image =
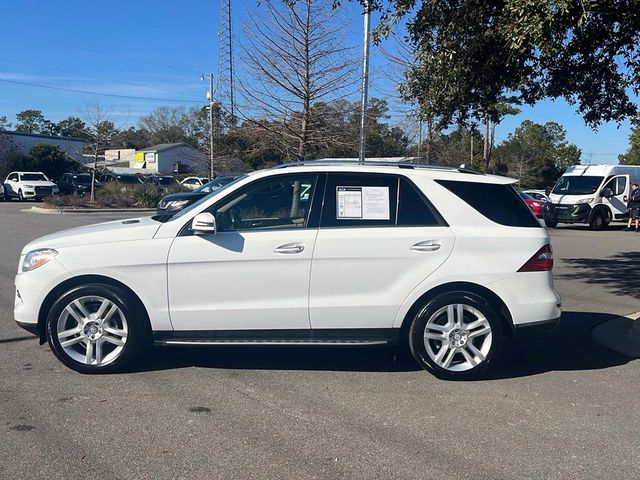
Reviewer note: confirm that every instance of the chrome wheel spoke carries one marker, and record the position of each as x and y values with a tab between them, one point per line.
478	355
78	318
115	341
103	308
98	349
73	341
437	327
435	336
67	333
112	310
485	330
441	353
477	323
451	316
459	314
89	353
81	308
468	357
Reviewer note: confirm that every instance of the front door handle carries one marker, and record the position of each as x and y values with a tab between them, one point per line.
426	246
289	248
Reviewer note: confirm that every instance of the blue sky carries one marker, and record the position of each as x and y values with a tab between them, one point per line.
156	49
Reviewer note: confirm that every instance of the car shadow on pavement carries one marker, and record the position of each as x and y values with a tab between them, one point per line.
618	273
569	347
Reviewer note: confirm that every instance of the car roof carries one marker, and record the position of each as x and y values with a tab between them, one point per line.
435	172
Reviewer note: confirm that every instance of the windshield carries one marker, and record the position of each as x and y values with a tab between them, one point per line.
128	179
33	177
204	199
214	185
84	179
577	185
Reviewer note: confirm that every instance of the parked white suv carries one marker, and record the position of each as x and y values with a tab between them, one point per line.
441	260
26	185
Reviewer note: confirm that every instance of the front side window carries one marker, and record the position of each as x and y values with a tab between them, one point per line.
275	203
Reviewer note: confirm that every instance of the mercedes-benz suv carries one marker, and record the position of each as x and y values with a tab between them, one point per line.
442	261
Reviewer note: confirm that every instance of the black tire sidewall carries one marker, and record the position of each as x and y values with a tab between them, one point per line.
551	223
416	333
136	323
598	221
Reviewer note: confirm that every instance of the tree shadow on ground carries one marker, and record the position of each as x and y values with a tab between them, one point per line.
569	347
620	273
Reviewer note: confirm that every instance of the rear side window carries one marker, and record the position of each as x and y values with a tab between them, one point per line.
499	203
413	210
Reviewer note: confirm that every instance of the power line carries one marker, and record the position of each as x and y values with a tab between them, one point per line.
100	94
87	75
101	52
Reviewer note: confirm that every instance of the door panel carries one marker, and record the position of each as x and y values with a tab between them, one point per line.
620	186
237	280
361	276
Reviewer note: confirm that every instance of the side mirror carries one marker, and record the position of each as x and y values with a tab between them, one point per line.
606	192
547	191
204	224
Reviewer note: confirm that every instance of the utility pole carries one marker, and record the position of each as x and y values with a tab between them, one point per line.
419	139
211	127
365	83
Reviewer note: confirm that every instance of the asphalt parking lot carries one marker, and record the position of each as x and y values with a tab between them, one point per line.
555	407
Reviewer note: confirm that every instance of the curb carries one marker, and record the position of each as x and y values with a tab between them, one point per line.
620	334
54	211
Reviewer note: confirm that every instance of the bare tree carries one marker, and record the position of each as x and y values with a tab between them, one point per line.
296	56
100	131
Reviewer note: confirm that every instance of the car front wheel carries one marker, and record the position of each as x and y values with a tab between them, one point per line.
455	335
96	329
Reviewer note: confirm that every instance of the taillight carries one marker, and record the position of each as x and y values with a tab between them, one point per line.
542	261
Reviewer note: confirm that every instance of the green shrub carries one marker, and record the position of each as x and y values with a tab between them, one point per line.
113	195
147	197
66	201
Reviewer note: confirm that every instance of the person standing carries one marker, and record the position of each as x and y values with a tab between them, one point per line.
633	204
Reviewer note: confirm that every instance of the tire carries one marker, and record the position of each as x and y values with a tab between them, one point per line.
551	223
598	221
475	348
20	197
83	342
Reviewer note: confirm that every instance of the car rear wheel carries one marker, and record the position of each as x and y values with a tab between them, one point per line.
96	329
551	223
455	335
598	222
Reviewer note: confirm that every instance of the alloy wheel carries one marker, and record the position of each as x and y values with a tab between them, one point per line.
458	337
92	330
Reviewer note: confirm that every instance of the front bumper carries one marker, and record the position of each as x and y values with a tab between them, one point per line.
565	213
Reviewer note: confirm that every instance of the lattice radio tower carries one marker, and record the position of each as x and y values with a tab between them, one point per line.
225	85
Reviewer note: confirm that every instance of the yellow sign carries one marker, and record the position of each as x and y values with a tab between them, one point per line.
139	156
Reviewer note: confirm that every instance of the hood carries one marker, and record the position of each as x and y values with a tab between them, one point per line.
183	196
38	183
118	231
569	199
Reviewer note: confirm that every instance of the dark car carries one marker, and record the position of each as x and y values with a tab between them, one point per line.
125	180
76	183
161	182
173	203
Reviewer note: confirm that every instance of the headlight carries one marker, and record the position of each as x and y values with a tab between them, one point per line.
37	258
177	203
584	200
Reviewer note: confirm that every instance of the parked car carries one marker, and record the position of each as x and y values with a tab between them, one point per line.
29	185
194	182
161	182
536	206
125	180
442	260
537	194
76	183
174	202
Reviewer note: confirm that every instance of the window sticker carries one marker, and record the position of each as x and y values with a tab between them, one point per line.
363	203
349	202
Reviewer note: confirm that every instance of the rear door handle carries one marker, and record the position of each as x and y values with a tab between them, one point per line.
290	248
426	246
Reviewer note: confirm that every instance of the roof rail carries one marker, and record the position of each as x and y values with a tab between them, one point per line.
408	165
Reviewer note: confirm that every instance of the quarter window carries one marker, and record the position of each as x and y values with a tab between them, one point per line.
413	210
275	203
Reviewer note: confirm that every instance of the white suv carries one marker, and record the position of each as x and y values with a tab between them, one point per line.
26	185
441	260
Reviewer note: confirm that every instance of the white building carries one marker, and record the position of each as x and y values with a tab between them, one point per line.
167	158
24	142
121	155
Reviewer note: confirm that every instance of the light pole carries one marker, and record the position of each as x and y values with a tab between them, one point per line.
365	83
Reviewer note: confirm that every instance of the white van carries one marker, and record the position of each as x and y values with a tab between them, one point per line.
592	194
